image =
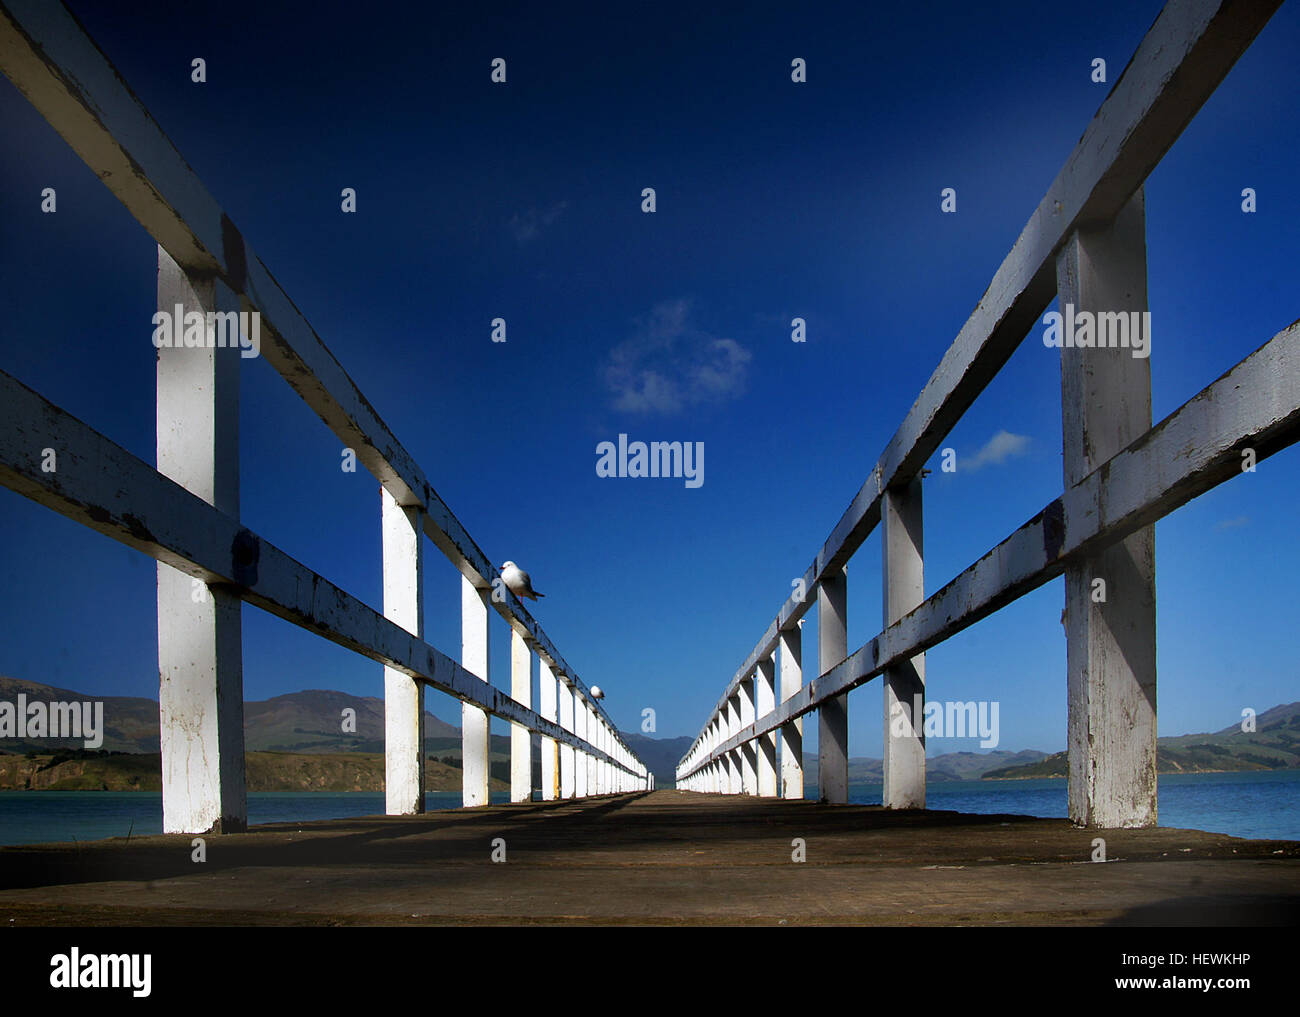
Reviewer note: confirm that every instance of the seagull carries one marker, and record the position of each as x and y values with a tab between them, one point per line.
518	582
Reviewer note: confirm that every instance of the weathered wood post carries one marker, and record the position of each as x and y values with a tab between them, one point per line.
548	707
1110	604
580	758
568	782
608	774
200	654
904	685
833	714
706	773
749	750
717	768
474	729
733	757
791	640
612	775
403	538
765	703
593	736
605	744
521	739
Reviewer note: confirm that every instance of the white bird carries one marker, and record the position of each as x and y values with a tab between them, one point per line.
518	582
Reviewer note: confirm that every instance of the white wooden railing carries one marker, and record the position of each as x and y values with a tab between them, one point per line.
185	513
1086	243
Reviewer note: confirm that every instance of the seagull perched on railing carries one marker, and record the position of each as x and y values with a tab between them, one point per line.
518	582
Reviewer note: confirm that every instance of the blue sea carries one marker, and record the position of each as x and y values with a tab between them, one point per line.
42	817
1258	804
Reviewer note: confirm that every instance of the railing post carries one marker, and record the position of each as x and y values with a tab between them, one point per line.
593	736
903	578
609	774
548	707
200	662
749	750
403	538
612	775
521	739
580	757
733	757
765	703
1110	629
722	763
715	767
567	767
706	747
474	729
791	733
833	714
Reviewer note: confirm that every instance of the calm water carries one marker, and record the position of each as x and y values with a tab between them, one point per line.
38	817
1263	804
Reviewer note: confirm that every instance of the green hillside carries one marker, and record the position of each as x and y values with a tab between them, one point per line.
267	771
308	721
946	767
1273	745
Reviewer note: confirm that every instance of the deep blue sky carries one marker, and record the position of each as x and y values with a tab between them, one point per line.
775	200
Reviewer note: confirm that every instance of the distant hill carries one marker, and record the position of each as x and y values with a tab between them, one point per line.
945	767
266	771
130	723
308	721
311	721
1273	745
660	755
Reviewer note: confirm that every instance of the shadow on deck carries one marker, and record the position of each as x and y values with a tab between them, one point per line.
664	857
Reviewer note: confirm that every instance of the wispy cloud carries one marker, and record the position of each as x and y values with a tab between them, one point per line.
997	450
1232	524
528	224
668	364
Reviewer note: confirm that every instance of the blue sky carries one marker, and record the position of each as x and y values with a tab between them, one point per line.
774	200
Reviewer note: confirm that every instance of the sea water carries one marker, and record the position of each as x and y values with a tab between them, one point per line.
1257	804
39	817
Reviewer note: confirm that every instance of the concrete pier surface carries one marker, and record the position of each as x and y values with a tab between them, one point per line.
660	858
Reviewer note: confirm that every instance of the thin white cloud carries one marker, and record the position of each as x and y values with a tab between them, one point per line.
1232	524
668	364
997	450
528	224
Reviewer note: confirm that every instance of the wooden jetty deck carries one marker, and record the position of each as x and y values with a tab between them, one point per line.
660	858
